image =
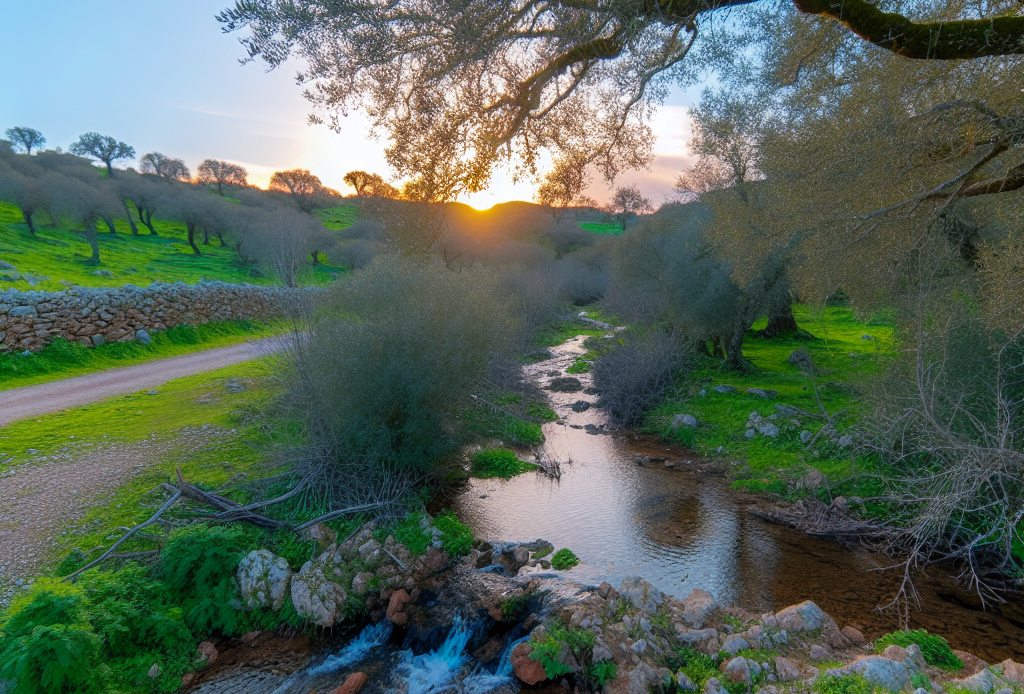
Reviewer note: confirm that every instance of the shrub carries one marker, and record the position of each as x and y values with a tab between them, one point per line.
457	538
409	533
198	565
635	377
394	357
564	559
549	649
934	648
499	462
850	684
46	644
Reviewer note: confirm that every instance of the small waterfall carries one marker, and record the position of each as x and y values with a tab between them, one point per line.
433	671
481	681
358	648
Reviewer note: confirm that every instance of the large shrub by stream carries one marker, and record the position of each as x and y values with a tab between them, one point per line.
394	356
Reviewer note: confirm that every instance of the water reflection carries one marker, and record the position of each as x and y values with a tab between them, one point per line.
682	530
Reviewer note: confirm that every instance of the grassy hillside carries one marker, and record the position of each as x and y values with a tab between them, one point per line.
602	227
56	254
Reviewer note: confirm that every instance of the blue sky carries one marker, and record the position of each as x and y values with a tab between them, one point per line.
161	76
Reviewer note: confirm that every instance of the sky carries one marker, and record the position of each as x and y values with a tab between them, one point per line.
161	76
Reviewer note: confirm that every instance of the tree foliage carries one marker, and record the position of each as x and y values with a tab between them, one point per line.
104	148
25	138
220	173
167	168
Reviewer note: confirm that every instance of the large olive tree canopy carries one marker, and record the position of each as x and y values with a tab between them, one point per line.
458	85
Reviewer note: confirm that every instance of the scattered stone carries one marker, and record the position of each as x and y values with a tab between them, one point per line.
97	340
762	392
684	420
805	437
352	684
1011	671
638	680
713	686
684	683
581	406
854	634
768	429
154	671
750	433
606	591
698	608
724	389
152	392
812	480
865	336
102	273
641	594
878	671
819	653
263	579
800	359
527	670
143	337
4	265
806	616
734	643
786	669
396	607
845	441
207	653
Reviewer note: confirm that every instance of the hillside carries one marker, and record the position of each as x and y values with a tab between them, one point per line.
59	253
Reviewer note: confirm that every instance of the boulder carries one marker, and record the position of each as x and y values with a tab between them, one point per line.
606	591
263	579
812	480
699	607
352	684
734	643
1011	671
767	429
641	594
762	392
4	265
983	682
638	680
738	671
878	671
527	670
805	437
854	634
684	683
894	652
396	607
316	597
361	583
143	337
819	653
713	686
97	340
684	420
806	616
787	669
207	653
724	389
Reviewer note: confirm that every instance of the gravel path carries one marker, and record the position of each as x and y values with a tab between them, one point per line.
32	401
49	495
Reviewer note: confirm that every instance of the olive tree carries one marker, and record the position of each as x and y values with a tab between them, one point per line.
221	173
281	239
371	185
167	168
25	138
627	203
24	190
565	77
83	204
305	189
104	148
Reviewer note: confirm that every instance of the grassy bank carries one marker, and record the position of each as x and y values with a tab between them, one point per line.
59	253
63	359
844	349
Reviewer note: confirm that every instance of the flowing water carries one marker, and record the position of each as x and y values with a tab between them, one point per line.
684	529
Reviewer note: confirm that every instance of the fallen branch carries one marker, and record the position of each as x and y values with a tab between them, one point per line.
230	511
152	519
339	512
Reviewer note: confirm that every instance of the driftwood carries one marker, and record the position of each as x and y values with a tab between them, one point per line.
819	519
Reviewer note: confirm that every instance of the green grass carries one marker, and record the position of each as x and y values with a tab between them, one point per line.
839	352
59	253
602	227
934	648
338	217
63	359
194	401
564	559
499	462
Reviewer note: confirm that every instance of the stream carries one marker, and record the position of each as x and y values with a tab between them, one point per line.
683	529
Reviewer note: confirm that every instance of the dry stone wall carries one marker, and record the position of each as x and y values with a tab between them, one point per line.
29	320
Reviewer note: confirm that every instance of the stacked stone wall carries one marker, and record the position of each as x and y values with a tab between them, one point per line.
29	320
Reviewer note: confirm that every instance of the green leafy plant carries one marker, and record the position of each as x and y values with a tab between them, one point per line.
848	684
548	648
409	533
515	607
499	462
198	563
599	674
564	559
457	538
933	647
46	644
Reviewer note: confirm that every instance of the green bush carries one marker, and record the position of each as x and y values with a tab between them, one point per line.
458	538
933	647
46	644
850	684
198	565
499	462
564	559
548	649
409	533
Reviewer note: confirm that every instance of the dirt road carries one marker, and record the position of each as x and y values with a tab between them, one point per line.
32	401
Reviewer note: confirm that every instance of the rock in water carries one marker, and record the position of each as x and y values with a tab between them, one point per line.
352	684
527	670
396	607
263	579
